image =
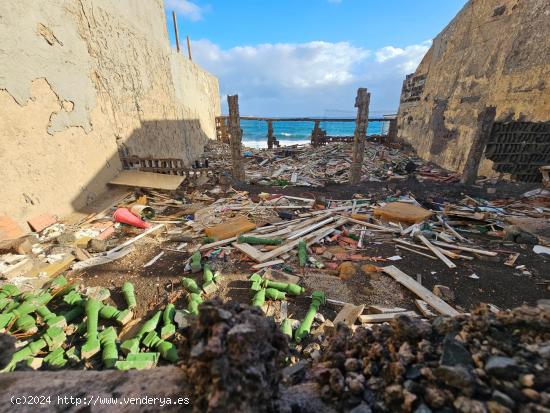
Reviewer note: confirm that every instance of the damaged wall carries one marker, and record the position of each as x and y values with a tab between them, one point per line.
494	53
81	80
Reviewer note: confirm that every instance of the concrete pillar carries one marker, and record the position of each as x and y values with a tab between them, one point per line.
237	165
362	104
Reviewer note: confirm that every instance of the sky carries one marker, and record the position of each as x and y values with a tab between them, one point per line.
308	57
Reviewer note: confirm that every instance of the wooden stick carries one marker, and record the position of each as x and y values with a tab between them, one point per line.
425	294
189	49
176	31
437	252
417	252
310	228
460	247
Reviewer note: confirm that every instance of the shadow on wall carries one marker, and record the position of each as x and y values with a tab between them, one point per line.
182	139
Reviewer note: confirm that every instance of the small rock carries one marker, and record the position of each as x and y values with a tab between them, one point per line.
456	376
423	409
435	397
502	367
465	405
526	238
320	318
346	270
494	407
455	353
503	399
531	393
361	408
444	292
352	364
310	348
527	380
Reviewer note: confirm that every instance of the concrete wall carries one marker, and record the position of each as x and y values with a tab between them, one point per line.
493	53
81	80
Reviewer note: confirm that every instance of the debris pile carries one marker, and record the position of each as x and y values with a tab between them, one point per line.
233	355
485	362
304	165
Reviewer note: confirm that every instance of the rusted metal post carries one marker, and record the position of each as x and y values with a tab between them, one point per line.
315	134
270	137
362	104
236	136
485	121
176	30
189	49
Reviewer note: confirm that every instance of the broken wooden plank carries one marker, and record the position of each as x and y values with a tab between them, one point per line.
53	269
468	249
436	251
276	275
416	252
249	250
267	264
384	317
425	294
378	309
348	315
217	244
148	180
310	228
424	308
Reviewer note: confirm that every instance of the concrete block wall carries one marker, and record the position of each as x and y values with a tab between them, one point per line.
81	80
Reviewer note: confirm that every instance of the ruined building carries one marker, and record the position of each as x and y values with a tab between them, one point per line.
81	81
479	102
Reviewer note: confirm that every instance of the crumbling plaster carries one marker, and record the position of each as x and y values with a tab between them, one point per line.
81	80
493	53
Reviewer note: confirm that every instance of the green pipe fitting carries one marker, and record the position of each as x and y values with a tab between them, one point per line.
73	313
109	355
7	291
196	262
51	319
190	285
259	298
129	295
73	355
74	298
289	288
56	359
132	345
317	298
57	284
92	346
53	338
108	312
193	303
208	280
302	253
286	327
138	361
26	323
274	294
166	349
259	241
26	307
257	282
168	327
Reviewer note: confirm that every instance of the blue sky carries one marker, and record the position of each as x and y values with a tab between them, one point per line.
308	57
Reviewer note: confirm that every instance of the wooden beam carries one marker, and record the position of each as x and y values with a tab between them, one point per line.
348	315
425	294
236	137
384	317
174	18
468	249
362	104
249	250
437	252
189	49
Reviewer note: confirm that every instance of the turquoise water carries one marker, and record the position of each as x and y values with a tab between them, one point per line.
292	133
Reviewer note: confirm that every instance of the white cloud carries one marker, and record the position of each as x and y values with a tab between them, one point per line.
314	78
186	8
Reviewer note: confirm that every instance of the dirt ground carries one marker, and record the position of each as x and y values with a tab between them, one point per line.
497	284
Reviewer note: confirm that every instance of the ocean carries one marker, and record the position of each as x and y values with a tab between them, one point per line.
292	133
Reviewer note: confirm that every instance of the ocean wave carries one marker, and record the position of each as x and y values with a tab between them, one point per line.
286	134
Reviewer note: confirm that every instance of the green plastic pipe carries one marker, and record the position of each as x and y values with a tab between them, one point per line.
51	319
7	291
302	253
166	349
121	317
289	288
26	307
196	262
259	241
193	303
132	345
286	327
26	323
92	345
190	285
138	361
259	298
109	355
168	326
274	294
317	298
56	359
129	295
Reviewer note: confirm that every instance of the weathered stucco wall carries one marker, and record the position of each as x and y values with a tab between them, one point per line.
81	80
493	53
